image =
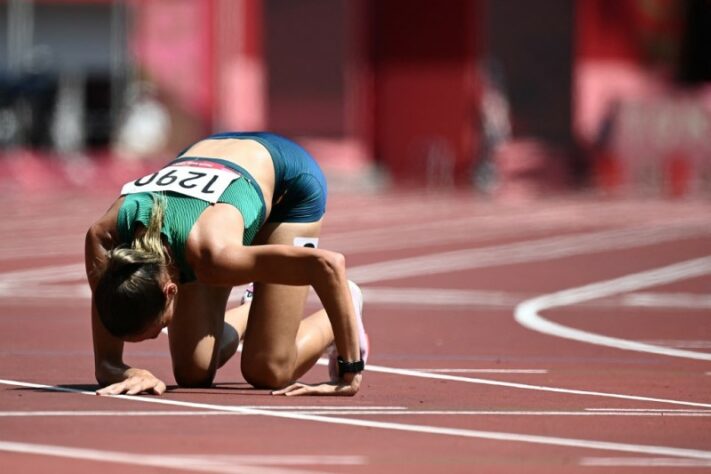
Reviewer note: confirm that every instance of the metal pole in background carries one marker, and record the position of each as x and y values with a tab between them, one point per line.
20	34
20	38
121	69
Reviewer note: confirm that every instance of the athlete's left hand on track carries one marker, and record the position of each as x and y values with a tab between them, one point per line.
134	385
340	388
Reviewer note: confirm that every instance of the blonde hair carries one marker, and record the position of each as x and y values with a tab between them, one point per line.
129	294
149	245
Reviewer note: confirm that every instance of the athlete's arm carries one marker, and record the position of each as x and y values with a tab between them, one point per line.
325	271
110	370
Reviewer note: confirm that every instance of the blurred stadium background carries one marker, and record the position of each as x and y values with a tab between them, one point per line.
510	98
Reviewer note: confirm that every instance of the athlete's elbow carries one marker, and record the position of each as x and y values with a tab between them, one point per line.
333	265
339	262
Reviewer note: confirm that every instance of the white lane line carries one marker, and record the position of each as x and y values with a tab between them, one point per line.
516	385
284	459
415	298
107	413
231	465
40	293
428	297
412	428
483	371
459	229
441	297
73	271
700	414
667	300
322	407
35	241
643	462
38	248
521	252
110	413
528	313
541	388
361	412
664	410
465	227
679	343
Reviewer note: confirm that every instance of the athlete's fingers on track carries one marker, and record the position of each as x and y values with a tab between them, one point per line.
300	389
113	389
139	386
288	391
159	388
135	388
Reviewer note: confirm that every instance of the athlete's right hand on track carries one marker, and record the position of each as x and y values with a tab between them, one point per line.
341	387
139	381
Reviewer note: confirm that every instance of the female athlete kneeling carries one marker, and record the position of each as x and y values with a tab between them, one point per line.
233	208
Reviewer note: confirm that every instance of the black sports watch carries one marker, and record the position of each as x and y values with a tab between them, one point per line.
349	367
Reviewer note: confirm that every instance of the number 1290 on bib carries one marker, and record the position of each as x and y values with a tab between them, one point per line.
206	184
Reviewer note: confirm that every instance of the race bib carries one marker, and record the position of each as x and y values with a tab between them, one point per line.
205	183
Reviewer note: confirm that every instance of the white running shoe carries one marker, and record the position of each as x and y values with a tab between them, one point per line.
363	341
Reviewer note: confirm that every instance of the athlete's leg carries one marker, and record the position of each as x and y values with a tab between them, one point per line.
196	333
234	328
314	336
279	345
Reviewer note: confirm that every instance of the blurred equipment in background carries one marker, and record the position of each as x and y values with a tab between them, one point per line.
533	59
68	130
495	124
425	88
470	93
643	94
144	128
63	68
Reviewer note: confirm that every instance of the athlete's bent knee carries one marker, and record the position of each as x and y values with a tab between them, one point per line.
193	378
266	374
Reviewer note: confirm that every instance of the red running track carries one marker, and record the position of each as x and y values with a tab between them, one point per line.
566	335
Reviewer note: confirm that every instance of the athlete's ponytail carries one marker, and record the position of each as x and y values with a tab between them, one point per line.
129	295
149	245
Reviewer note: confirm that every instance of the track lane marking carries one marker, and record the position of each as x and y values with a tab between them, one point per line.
667	300
214	464
403	427
665	410
483	371
540	388
315	410
480	257
520	252
528	313
643	462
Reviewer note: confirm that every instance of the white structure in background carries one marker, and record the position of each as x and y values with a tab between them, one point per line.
145	128
68	123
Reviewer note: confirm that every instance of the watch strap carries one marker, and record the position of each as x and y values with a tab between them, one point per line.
350	367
